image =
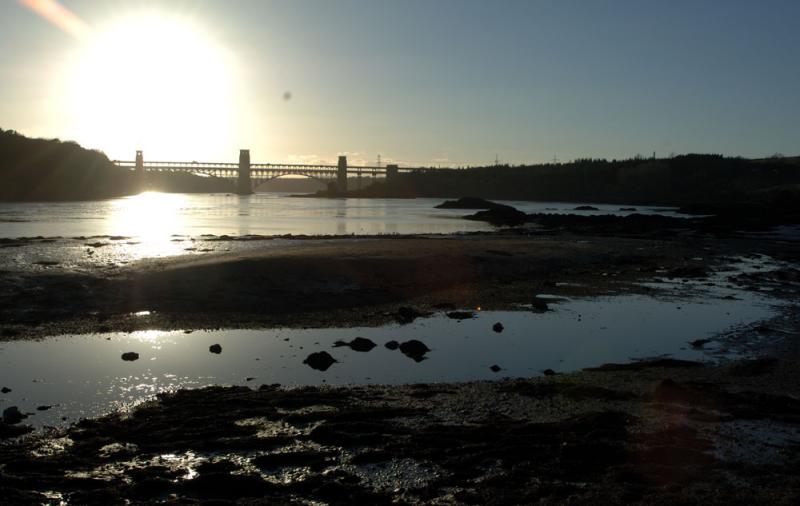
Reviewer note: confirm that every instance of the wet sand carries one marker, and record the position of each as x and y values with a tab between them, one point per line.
662	432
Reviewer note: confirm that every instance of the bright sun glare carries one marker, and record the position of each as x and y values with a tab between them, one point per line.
156	82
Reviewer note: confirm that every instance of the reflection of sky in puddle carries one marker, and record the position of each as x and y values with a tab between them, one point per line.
84	375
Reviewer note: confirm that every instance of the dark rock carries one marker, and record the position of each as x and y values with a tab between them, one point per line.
627	208
667	363
460	315
392	345
699	343
756	367
8	431
407	314
539	305
314	459
13	415
5	390
495	368
226	485
586	208
130	356
215	348
468	203
549	372
668	391
414	350
500	215
320	360
688	272
358	344
498	327
43	407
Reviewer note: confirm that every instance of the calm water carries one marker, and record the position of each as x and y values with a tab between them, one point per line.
85	376
110	233
152	215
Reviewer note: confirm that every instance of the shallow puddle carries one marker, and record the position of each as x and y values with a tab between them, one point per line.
81	376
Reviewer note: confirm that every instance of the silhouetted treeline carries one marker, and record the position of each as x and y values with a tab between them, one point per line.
678	180
51	169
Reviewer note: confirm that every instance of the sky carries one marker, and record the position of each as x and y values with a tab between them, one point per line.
418	82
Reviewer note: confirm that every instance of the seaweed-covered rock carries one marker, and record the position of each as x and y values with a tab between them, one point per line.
215	348
130	356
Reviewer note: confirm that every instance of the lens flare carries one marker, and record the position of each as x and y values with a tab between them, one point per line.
59	16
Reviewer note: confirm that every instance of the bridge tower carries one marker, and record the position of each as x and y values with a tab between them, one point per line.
139	169
243	184
391	172
341	176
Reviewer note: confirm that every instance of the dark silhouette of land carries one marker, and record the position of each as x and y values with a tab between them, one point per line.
680	180
51	169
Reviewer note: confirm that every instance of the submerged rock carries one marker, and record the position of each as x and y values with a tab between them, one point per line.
495	368
498	327
130	356
392	345
549	372
215	348
13	415
5	390
43	407
586	208
358	344
320	360
414	350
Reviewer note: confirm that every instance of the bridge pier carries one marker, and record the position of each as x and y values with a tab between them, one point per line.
341	176
243	184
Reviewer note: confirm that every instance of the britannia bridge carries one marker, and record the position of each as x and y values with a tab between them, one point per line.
249	175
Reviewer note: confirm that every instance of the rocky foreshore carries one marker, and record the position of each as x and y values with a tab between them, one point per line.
655	432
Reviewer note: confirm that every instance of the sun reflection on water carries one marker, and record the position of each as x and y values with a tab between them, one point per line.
150	218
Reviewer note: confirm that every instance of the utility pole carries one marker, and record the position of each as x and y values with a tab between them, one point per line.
496	160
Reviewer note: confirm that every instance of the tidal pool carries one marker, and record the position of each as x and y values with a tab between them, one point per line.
84	375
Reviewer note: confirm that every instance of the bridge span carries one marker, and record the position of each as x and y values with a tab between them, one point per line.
249	175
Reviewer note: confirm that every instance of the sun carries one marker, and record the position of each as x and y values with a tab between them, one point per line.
156	83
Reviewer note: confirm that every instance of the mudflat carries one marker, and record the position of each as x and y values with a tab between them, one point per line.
356	281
